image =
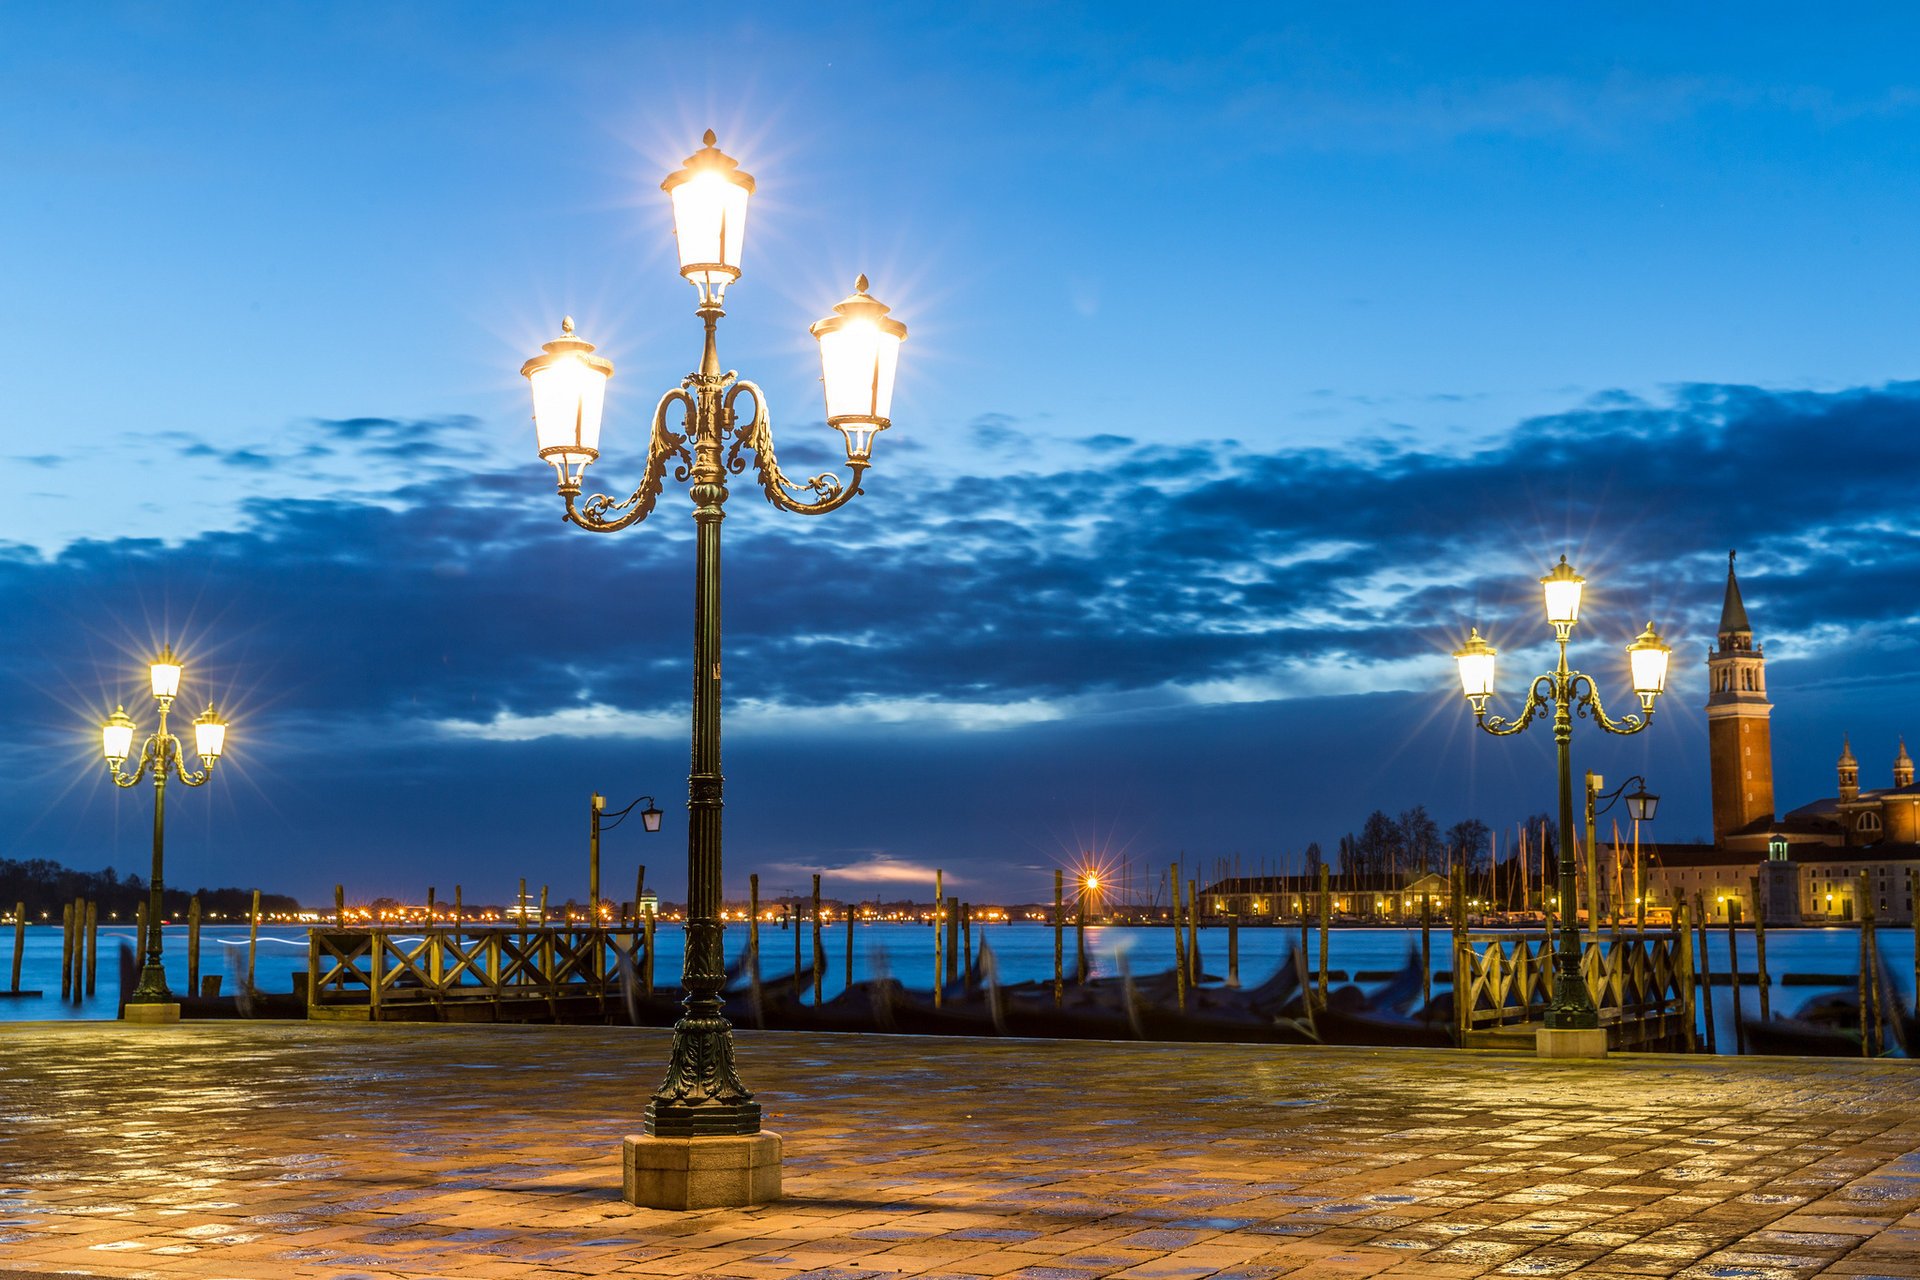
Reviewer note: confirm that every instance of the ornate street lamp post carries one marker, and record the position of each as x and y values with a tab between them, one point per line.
702	1111
1572	1008
1640	807
151	1001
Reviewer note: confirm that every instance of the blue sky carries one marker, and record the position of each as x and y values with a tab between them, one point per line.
1254	353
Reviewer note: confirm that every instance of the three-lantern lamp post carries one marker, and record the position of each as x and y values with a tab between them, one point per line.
161	754
702	1097
1566	692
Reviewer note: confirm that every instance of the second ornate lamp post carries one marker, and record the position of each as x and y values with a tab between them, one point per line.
161	753
703	1144
1566	691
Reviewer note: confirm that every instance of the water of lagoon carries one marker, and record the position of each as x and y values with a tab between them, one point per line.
1023	952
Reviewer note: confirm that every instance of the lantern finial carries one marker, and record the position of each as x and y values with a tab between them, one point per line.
566	325
708	139
860	284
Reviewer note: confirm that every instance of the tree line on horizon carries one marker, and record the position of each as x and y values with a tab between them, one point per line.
46	886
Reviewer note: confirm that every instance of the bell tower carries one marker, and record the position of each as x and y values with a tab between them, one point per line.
1739	720
1903	767
1849	773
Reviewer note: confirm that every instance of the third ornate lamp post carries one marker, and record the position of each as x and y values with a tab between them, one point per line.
1641	804
150	1000
703	1145
1572	1008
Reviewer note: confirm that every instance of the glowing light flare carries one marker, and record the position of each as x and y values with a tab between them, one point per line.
165	674
1647	656
209	734
1476	659
1562	588
116	737
859	360
569	386
710	194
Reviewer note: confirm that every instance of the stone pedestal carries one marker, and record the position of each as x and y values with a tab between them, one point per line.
701	1173
1588	1042
152	1015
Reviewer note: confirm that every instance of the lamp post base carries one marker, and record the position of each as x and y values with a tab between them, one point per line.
152	1015
1582	1042
701	1173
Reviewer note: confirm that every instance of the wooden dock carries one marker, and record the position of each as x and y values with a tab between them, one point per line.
1642	984
507	974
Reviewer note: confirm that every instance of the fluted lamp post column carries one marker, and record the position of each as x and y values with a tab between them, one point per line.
1572	1022
703	1146
161	754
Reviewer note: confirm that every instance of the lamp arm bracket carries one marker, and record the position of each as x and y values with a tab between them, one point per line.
121	779
1500	726
1589	704
1613	797
191	777
757	435
663	443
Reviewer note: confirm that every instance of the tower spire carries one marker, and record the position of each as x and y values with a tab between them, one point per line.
1735	630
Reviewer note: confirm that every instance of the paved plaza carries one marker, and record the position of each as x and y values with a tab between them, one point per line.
287	1150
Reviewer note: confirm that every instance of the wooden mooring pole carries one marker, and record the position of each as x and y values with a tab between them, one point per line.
340	906
1760	950
1080	938
1426	951
1233	949
1058	941
1179	941
819	952
940	935
1193	934
193	945
79	949
1913	905
1326	908
1706	973
966	948
66	950
253	936
1733	974
19	941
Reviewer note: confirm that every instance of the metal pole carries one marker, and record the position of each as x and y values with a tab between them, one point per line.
702	1094
598	803
152	987
1593	860
1572	1007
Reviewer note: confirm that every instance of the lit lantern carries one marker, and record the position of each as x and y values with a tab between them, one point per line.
1562	587
569	398
116	737
1648	657
165	672
710	196
859	355
1476	669
209	734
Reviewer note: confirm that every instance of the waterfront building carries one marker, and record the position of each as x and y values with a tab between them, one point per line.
1367	895
1806	866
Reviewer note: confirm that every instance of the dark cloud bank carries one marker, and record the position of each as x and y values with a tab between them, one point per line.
1241	649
